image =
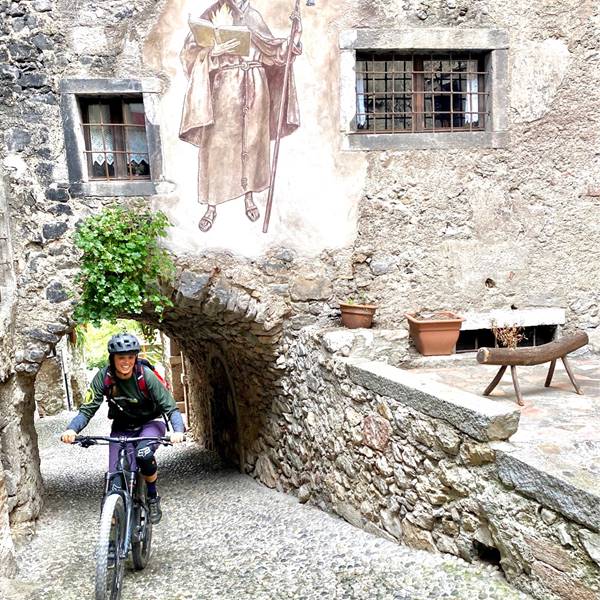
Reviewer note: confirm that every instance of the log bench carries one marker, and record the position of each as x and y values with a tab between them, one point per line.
513	357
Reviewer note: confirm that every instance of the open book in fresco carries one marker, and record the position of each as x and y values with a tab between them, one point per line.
207	34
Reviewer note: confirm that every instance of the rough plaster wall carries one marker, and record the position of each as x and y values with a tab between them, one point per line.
7	560
20	457
520	216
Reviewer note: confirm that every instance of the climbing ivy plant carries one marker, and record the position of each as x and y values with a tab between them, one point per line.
122	264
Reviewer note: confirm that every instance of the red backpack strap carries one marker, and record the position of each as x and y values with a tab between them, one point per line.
140	379
107	382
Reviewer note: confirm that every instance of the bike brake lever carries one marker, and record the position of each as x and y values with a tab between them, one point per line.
86	442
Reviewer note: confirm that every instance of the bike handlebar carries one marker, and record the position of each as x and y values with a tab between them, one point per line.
90	440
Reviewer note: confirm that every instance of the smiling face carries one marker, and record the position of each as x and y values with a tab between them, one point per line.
124	364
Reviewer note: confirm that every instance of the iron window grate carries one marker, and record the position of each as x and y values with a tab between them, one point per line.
408	93
114	130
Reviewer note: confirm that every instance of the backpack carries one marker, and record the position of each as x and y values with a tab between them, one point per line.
109	381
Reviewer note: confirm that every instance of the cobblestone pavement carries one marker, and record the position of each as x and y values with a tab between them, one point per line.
224	536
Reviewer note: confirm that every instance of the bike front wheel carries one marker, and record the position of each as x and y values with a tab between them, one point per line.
110	553
142	537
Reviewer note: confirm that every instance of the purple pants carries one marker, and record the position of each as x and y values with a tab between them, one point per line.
150	429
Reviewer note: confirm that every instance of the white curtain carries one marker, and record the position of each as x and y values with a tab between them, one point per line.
361	117
102	147
136	136
472	100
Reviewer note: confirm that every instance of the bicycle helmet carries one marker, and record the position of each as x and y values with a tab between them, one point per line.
123	343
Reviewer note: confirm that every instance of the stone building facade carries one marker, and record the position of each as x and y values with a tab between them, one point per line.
496	212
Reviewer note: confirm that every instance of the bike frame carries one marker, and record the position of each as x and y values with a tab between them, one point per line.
130	491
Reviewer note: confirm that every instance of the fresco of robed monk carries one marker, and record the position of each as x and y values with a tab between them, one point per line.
235	69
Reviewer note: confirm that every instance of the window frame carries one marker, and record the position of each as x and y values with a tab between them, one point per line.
82	182
118	123
418	94
492	42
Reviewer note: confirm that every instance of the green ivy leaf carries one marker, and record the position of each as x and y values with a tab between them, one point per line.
122	263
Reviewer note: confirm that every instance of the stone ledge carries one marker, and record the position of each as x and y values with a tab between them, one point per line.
478	417
575	493
145	85
524	317
425	141
114	188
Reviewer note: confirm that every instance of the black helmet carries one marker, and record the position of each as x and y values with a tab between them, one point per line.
123	343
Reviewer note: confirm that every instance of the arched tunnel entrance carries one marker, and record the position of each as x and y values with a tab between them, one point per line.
230	339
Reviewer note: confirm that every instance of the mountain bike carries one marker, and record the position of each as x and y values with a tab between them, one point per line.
125	518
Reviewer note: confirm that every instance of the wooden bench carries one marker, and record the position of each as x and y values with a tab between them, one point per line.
508	357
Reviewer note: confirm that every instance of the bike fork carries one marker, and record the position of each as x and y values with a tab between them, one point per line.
129	513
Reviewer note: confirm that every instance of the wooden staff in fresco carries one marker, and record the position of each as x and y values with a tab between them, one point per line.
296	23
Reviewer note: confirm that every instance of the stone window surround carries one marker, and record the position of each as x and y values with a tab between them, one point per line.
494	41
81	185
524	317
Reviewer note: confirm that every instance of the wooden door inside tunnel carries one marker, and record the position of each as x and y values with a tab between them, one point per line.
224	423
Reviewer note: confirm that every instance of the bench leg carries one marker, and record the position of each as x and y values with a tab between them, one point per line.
571	375
495	381
550	373
513	372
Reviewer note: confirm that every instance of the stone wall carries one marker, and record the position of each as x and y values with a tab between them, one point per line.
50	393
433	226
346	436
7	561
461	218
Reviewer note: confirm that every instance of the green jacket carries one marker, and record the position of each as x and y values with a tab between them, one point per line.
128	406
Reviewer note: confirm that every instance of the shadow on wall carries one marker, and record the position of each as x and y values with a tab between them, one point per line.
231	396
224	418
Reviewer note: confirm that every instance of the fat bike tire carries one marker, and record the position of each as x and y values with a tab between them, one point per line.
141	545
109	562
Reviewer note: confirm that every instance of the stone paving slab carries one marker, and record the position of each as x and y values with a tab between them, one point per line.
223	537
542	477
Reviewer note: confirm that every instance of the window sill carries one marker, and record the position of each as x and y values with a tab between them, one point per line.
425	141
118	188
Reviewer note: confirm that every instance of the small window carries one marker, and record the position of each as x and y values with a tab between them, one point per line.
471	340
421	93
112	137
114	130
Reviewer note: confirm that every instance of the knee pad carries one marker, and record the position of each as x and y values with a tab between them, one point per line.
144	456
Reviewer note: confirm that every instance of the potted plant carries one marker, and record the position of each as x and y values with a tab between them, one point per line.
434	333
357	312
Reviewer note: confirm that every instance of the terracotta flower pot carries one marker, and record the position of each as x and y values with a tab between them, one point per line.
357	315
437	335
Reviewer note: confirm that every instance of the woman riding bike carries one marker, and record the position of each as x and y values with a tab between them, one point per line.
135	409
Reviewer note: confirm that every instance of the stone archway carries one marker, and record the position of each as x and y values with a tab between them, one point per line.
231	336
224	416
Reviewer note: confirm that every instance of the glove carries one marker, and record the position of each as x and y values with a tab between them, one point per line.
176	437
68	437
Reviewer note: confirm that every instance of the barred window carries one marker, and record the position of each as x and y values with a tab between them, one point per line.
398	92
114	130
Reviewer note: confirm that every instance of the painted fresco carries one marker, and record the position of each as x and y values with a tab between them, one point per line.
226	64
232	104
